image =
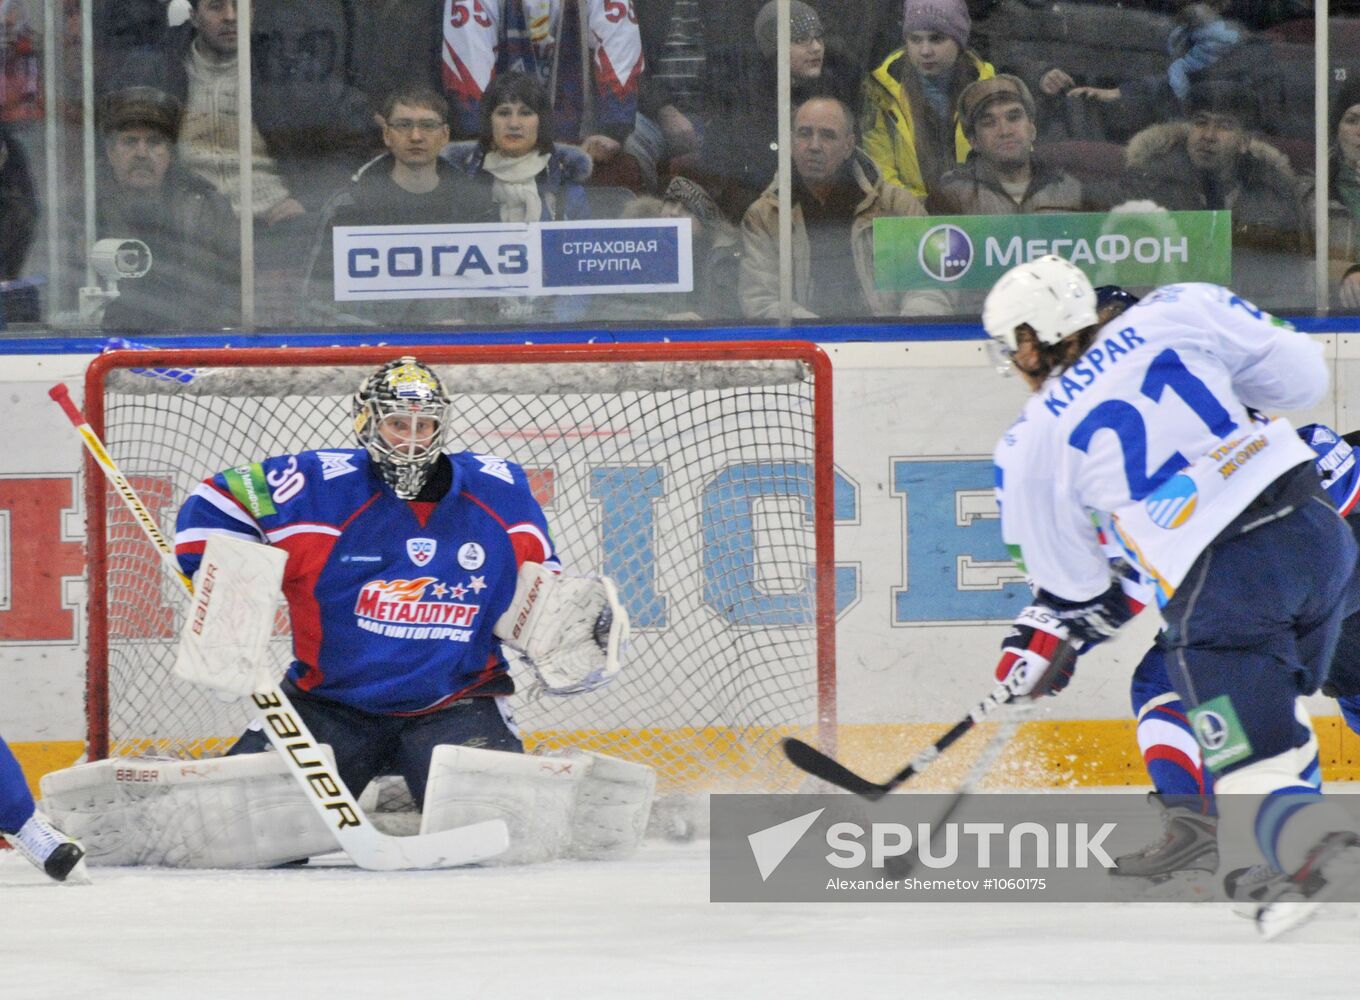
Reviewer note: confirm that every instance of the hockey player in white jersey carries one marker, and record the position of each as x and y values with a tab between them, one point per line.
1139	429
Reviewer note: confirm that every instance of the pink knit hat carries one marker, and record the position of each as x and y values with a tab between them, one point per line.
948	17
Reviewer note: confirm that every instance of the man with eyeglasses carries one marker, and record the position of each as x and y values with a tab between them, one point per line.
408	185
190	228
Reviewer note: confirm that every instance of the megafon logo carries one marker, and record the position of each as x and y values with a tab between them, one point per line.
773	844
945	252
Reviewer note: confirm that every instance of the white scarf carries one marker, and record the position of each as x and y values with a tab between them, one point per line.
515	190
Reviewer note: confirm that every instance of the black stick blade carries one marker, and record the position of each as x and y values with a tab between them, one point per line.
819	765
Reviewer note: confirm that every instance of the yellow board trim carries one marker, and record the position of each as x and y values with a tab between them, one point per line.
1043	754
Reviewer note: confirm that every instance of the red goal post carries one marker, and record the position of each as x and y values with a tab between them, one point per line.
698	476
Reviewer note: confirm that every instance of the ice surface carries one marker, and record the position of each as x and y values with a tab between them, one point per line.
637	929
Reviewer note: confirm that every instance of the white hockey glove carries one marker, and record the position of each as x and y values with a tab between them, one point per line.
572	629
1037	655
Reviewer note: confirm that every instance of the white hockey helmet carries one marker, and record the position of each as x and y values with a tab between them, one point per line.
1052	296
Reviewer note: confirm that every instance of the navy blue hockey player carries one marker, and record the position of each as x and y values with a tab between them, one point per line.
402	561
29	831
1140	429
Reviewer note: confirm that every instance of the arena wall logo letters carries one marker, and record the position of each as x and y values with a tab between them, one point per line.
39	559
957	567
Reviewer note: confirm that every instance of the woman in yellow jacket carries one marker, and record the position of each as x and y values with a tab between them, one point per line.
910	126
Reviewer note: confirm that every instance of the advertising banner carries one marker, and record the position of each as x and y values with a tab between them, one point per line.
502	259
1114	248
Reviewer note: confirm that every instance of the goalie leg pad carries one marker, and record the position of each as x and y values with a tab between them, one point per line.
534	795
612	807
227	812
573	804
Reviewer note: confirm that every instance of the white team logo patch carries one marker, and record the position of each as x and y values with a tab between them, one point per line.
421	550
335	463
471	556
497	467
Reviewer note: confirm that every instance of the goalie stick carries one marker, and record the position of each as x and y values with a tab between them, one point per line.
830	770
367	846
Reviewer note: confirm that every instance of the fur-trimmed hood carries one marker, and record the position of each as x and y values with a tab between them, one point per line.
1160	149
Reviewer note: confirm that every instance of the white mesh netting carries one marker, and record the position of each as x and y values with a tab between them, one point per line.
690	483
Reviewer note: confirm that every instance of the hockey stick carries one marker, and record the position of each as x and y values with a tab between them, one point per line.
367	846
980	768
819	765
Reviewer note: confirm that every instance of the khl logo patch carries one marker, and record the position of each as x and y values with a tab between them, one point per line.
421	550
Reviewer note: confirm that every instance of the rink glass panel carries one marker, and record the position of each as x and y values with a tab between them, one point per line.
356	61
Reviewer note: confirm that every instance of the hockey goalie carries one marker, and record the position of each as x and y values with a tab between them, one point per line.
407	572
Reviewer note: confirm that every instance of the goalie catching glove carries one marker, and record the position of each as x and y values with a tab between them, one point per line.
572	629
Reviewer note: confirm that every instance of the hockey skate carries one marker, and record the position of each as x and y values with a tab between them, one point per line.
1332	867
1179	866
1249	887
61	857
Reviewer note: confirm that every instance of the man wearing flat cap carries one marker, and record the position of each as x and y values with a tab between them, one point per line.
144	194
1001	175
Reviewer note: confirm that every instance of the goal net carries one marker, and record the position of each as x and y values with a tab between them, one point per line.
699	478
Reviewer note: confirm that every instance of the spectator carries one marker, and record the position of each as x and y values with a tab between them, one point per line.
517	166
741	148
194	279
1344	188
676	90
1002	176
408	185
18	208
1214	162
717	251
837	194
203	74
587	55
18	223
1200	43
910	126
716	257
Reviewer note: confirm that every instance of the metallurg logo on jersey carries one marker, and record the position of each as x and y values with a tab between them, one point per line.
398	609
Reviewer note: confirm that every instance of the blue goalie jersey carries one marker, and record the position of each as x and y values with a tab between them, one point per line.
392	601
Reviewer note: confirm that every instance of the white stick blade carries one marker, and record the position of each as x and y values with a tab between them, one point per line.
464	845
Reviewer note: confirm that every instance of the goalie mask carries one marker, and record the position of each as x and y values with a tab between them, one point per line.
400	413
